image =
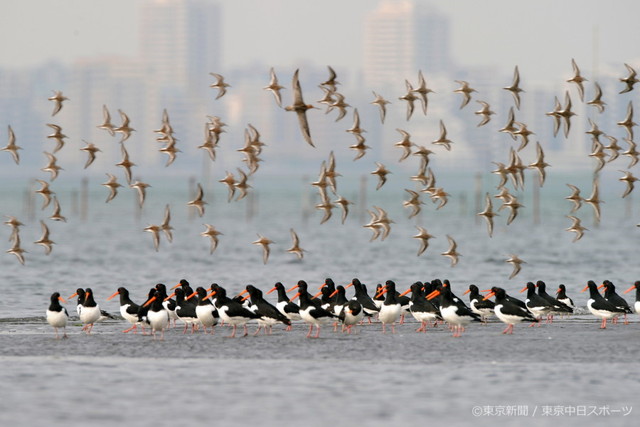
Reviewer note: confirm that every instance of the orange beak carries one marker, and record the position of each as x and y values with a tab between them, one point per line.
433	294
176	286
318	294
295	287
558	291
245	298
295	296
630	289
271	290
322	286
601	286
383	290
75	294
405	292
149	302
170	296
349	285
334	293
243	292
585	288
210	295
192	295
86	294
523	289
61	299
466	292
489	295
486	290
112	296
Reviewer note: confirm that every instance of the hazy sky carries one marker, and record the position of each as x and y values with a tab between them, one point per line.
541	36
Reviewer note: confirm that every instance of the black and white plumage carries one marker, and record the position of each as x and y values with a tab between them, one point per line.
478	304
157	316
350	315
458	316
558	307
57	315
423	310
561	296
537	305
128	309
89	312
205	310
615	299
290	309
600	307
314	316
269	314
231	312
391	309
186	310
369	307
636	304
507	311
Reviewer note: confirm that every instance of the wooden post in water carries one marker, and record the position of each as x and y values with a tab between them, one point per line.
29	203
536	203
75	206
84	199
252	205
362	199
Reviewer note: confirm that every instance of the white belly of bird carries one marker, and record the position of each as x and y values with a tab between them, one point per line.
205	315
423	316
159	320
237	320
57	319
291	316
636	307
307	317
350	319
131	318
89	315
604	314
450	315
389	313
484	312
506	318
566	302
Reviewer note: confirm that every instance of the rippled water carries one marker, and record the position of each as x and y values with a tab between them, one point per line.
409	378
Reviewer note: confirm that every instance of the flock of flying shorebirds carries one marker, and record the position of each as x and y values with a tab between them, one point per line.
380	224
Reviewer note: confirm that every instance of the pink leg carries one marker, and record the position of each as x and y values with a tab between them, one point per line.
318	331
310	329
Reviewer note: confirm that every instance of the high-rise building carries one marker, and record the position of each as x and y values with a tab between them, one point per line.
402	37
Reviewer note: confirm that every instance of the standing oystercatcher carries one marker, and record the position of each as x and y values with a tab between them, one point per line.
205	311
507	311
636	304
314	316
615	299
537	305
157	315
284	305
561	296
454	314
269	314
57	315
391	308
369	307
600	307
185	310
128	309
558	307
480	306
350	315
90	311
421	308
169	304
231	312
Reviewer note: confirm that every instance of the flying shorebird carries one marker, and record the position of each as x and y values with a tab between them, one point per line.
344	205
628	122
629	179
488	214
509	127
485	112
274	87
210	142
452	252
57	214
295	247
44	240
517	265
212	234
574	197
594	200
198	202
515	87
442	139
502	172
330	172
326	205
613	147
45	192
125	163
382	173
155	231
383	221
11	146
594	131
300	109
331	82
410	97
356	129
125	129
405	143
382	106
466	91
424	237
373	225
171	151
598	154
340	105
631	152
264	242
241	184
113	185
360	147
57	135
539	164
629	80
597	99
52	166
523	133
555	115
15	225
106	121
576	227
57	98
141	187
565	113
91	150
414	203
513	205
577	79
219	84
230	181
422	90
166	224
17	250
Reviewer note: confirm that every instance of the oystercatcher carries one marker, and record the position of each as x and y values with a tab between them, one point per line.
57	315
454	314
480	306
615	299
636	304
284	305
314	316
600	307
507	311
128	309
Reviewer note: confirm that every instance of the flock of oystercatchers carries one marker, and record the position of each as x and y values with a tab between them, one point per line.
429	302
